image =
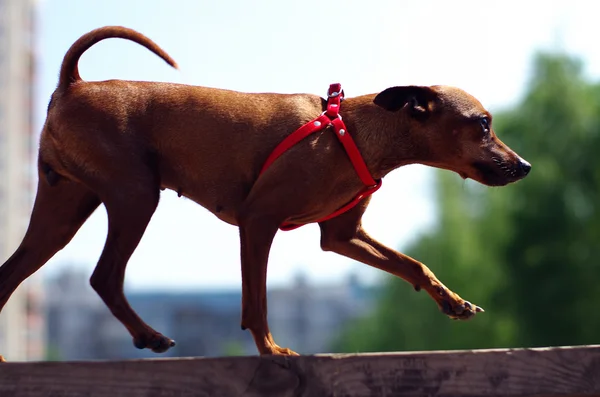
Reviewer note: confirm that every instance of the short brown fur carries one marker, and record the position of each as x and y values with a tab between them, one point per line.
120	142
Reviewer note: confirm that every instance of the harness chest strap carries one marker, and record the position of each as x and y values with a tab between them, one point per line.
330	117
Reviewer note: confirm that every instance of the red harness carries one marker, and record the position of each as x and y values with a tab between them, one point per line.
330	117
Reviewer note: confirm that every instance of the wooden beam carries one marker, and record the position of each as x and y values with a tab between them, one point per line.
564	371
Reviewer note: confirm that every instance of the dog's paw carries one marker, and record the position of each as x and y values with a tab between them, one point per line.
158	343
2	360
284	351
281	351
455	307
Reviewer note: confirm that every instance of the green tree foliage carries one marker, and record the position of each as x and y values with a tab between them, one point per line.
528	252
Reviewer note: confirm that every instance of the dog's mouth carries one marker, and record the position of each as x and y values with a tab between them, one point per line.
499	172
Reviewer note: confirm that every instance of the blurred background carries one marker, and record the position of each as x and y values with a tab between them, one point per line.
528	253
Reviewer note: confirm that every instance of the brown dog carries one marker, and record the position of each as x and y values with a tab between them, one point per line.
120	142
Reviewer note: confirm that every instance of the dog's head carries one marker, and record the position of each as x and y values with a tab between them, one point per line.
453	131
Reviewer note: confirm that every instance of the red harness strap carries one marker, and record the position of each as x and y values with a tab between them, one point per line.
330	117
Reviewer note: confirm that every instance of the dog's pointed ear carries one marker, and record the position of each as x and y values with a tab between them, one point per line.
420	99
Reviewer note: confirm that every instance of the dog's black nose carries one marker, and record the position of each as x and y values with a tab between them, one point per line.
525	166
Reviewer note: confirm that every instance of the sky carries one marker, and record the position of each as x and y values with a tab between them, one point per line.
484	48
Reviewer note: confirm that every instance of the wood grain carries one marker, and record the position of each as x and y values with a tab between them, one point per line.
565	371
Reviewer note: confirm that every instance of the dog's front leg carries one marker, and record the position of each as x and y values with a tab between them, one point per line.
345	236
256	237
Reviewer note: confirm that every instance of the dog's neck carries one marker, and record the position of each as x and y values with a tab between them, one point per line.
384	138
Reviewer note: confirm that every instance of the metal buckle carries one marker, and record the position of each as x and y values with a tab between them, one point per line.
339	116
336	94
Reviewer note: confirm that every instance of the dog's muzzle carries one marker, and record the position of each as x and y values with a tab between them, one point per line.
500	172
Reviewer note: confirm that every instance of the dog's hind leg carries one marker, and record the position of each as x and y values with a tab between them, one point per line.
130	203
58	212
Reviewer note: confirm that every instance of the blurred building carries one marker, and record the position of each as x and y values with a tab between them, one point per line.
72	309
21	321
307	318
304	317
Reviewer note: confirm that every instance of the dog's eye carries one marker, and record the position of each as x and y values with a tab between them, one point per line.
485	124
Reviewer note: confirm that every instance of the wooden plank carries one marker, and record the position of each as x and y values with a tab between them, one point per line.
565	371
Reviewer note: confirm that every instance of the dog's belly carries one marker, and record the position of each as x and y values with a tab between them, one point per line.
221	200
211	170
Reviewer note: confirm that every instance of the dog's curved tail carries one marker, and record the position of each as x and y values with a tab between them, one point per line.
69	72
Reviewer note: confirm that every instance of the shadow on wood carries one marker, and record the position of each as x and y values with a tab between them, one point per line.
564	371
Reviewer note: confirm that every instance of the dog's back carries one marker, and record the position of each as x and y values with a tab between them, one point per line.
209	144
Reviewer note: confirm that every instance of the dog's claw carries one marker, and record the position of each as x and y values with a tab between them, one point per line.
283	351
288	352
479	309
158	343
162	344
463	311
